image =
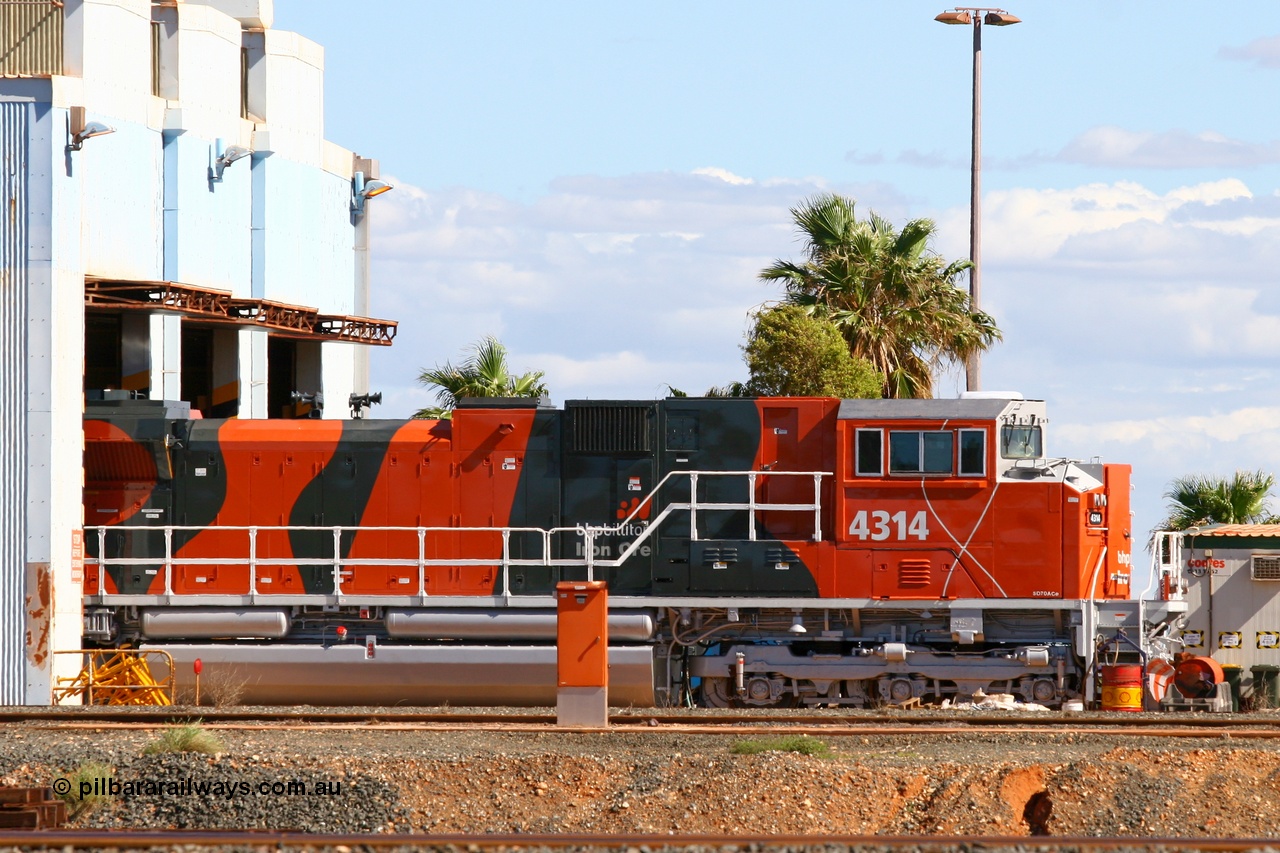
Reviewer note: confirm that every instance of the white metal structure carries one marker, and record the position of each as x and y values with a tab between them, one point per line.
216	175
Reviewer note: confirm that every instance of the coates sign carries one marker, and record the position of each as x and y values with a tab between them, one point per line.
1200	566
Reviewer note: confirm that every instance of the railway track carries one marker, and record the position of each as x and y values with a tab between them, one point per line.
638	719
285	840
829	725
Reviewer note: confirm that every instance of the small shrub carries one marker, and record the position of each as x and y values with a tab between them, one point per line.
802	744
89	772
220	687
188	738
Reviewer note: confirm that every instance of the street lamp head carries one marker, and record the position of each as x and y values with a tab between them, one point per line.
973	15
1001	19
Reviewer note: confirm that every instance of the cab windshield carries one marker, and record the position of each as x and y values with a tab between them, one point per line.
1021	442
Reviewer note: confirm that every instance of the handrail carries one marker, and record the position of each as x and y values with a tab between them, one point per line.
504	561
1166	565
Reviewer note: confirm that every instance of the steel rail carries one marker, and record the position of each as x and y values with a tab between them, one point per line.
833	722
283	839
713	731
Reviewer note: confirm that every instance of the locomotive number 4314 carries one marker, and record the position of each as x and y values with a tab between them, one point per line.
878	525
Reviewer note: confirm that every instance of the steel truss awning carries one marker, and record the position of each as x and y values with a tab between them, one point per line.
219	306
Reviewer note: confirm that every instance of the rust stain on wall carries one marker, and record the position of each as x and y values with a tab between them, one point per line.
39	612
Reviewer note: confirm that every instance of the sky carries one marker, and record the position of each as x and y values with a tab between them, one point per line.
599	184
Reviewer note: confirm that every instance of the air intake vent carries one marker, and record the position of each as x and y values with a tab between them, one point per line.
913	574
1266	568
609	429
714	556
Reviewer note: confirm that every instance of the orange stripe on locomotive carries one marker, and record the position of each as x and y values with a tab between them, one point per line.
443	474
432	474
268	464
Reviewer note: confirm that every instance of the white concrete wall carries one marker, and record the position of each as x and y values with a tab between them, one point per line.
166	356
53	373
338	378
138	204
207	221
253	373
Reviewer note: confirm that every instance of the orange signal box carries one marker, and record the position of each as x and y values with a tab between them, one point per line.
582	654
582	628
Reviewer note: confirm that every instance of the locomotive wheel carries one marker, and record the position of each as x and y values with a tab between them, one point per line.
717	693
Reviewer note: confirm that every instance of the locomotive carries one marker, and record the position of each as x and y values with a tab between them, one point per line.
757	551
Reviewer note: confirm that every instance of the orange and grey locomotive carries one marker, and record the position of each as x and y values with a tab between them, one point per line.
758	552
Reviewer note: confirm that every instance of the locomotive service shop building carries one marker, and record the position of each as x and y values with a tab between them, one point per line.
175	226
1232	575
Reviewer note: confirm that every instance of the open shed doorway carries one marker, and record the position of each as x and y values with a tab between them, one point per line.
294	387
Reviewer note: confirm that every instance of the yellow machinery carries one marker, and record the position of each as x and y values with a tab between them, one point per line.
116	677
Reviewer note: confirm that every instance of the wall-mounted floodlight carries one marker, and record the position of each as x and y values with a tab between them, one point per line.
224	157
82	130
362	189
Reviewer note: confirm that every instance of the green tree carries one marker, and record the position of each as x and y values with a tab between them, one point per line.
1199	499
483	373
791	353
896	302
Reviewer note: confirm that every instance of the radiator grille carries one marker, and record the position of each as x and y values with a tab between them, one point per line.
609	429
1266	567
118	462
913	574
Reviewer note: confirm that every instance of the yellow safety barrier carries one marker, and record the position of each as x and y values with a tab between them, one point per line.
116	677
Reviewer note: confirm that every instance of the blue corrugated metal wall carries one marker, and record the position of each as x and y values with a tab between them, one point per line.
15	122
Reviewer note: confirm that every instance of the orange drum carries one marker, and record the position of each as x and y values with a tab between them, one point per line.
1122	687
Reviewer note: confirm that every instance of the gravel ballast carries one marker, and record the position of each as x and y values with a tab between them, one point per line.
659	781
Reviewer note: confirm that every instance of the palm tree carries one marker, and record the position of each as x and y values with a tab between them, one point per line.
895	301
1203	499
484	373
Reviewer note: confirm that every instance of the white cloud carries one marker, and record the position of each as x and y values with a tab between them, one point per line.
1149	320
1264	51
1025	224
723	174
1171	149
613	286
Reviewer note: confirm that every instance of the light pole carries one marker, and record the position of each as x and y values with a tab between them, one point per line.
977	16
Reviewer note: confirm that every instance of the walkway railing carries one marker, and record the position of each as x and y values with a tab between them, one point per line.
132	546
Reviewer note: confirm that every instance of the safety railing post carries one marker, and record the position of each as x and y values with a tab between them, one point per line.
506	563
253	563
751	504
817	507
589	546
168	561
337	561
422	562
102	556
693	507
